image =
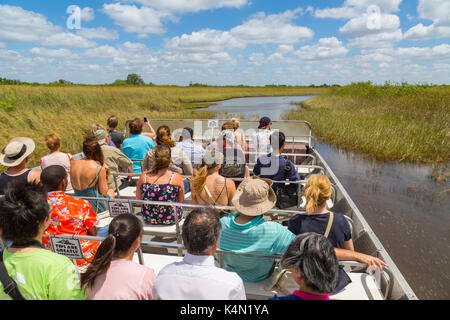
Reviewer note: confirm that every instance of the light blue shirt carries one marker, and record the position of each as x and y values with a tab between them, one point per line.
136	146
257	236
194	151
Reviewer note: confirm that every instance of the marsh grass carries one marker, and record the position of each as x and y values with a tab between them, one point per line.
69	111
404	123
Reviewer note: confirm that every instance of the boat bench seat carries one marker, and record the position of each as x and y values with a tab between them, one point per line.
157	261
160	230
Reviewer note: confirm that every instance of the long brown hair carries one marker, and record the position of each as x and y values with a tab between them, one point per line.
317	192
162	159
92	150
210	161
122	233
163	136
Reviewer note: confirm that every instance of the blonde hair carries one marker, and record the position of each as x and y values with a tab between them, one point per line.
317	192
53	142
236	123
210	161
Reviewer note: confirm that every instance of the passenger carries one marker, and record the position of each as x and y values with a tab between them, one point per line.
234	164
39	273
56	157
197	277
194	151
96	127
113	275
261	139
217	144
239	134
170	188
180	162
116	136
115	160
89	177
317	192
248	232
15	157
275	166
314	266
209	187
69	215
136	146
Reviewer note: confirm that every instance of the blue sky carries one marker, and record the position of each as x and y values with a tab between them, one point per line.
227	42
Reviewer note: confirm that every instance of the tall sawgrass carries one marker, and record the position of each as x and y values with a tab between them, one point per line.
69	111
390	122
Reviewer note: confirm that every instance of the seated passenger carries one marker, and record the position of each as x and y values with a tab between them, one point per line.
113	275
39	273
180	162
15	157
218	145
275	166
69	215
314	267
261	139
239	134
209	187
136	146
96	127
248	232
89	176
116	136
197	277
56	157
160	184
194	151
234	164
318	218
115	160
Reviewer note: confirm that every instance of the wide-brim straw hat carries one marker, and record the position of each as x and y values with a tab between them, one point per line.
254	196
16	151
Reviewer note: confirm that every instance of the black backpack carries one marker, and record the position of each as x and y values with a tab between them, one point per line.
287	194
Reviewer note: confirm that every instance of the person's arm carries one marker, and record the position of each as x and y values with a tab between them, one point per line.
178	181
293	174
348	245
152	132
343	254
187	165
247	172
139	183
34	176
103	184
231	187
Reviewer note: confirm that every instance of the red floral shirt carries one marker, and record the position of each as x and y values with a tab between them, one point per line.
72	216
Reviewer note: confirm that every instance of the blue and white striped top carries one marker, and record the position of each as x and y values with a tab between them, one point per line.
257	236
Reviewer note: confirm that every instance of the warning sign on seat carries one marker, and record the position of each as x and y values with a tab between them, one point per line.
116	208
71	248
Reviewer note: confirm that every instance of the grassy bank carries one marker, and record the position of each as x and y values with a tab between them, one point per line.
391	122
69	111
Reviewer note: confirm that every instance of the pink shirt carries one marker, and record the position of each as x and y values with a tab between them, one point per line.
124	280
307	296
60	159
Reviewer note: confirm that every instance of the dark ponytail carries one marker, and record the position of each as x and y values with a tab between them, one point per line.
122	233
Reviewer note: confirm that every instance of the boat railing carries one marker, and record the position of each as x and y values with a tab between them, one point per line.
220	257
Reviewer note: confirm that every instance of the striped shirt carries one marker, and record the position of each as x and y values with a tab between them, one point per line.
257	236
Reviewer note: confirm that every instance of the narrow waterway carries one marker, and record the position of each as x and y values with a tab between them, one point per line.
407	209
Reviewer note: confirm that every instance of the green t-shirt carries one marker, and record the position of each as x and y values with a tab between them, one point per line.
42	275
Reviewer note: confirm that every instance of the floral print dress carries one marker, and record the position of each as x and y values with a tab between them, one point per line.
160	215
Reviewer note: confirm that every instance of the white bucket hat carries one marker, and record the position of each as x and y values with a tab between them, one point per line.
16	151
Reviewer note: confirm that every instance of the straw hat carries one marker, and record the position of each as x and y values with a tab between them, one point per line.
254	196
16	151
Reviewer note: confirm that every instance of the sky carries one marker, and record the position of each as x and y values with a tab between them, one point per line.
226	42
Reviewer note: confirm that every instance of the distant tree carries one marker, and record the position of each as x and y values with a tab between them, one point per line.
62	81
119	82
135	79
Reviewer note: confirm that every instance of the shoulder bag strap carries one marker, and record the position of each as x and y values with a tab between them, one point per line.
9	285
330	222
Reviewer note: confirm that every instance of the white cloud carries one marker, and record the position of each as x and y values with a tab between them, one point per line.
58	53
436	53
184	6
436	11
143	21
355	8
98	33
23	26
102	52
87	14
326	48
274	28
200	59
204	40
